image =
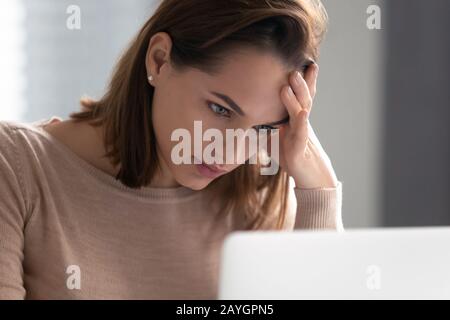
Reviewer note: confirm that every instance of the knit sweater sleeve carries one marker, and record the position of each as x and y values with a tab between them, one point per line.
319	208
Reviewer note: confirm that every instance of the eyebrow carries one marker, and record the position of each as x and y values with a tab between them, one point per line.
233	105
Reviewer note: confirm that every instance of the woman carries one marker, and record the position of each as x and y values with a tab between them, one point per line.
95	206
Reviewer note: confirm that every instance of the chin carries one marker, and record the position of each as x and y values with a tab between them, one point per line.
194	182
197	183
197	186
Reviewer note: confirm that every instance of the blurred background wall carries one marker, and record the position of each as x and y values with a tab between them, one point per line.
348	111
381	111
63	64
416	161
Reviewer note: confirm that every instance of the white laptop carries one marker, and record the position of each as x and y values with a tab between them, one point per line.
390	263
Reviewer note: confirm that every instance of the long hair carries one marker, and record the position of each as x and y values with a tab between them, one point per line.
203	32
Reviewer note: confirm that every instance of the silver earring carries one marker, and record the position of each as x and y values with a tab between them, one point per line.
150	78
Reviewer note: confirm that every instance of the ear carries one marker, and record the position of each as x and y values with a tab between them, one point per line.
158	54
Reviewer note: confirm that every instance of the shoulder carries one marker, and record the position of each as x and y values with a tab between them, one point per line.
9	140
6	132
17	141
11	132
13	184
15	135
20	150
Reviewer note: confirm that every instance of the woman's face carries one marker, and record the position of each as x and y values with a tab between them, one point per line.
245	94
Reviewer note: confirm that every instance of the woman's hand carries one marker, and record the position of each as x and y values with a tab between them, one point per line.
301	154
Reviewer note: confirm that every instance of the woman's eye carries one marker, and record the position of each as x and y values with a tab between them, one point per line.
219	110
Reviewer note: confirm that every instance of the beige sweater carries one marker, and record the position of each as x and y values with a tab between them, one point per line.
71	231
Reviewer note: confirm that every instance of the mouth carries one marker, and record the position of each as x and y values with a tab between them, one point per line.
209	171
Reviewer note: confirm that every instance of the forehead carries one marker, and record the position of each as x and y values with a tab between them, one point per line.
253	80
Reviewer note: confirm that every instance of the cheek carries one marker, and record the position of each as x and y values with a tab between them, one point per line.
169	112
164	123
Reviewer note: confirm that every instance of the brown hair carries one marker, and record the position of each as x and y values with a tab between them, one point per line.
203	32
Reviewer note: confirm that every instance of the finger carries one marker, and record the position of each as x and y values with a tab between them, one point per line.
291	103
301	132
299	125
301	89
311	78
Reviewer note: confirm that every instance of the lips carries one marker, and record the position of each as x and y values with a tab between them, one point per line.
209	171
213	168
210	166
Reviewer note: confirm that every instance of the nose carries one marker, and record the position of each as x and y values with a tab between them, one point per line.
238	154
